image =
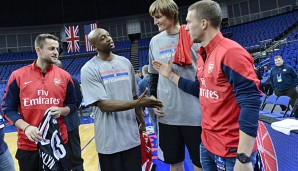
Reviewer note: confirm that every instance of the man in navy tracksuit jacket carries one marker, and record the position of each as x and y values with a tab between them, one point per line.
284	80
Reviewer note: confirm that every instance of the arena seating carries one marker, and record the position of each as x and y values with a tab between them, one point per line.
122	45
6	70
293	36
16	60
289	52
143	58
144	43
20	56
266	30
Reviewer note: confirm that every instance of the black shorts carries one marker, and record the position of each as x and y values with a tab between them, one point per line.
73	147
173	139
128	160
28	160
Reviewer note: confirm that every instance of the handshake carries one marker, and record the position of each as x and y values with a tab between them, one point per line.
145	101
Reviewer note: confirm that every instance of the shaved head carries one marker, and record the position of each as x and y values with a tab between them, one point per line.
101	40
94	34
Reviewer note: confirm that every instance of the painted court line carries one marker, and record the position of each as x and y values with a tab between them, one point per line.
88	143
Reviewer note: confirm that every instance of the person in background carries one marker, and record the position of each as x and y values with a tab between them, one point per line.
109	84
179	125
284	80
30	92
6	161
265	82
138	76
257	71
72	123
143	84
228	89
265	75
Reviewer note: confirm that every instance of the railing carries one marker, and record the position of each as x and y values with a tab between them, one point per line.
270	49
264	53
277	44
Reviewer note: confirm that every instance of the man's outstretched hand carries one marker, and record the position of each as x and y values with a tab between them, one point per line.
145	101
162	68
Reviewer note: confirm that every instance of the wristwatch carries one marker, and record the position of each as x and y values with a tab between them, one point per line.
242	157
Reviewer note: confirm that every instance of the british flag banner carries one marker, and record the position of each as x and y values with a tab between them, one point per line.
87	29
72	38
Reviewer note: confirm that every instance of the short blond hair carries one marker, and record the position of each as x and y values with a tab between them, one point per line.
209	10
167	8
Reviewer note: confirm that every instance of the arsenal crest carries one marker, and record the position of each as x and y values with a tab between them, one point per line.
57	82
210	68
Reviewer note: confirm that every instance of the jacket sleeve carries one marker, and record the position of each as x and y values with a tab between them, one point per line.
78	91
11	100
71	98
153	84
189	86
240	74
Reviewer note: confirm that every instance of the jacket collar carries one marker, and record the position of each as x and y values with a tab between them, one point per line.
211	45
35	67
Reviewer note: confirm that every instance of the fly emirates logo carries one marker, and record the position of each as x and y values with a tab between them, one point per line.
41	99
206	92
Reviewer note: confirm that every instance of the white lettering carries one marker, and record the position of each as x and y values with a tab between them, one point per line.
209	94
41	100
166	55
206	92
111	80
42	93
47	160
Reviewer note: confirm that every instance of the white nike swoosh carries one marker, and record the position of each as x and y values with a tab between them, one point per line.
27	82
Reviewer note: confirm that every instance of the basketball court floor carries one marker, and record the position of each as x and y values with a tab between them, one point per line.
89	153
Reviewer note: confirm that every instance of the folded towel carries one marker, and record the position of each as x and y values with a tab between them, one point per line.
285	126
182	55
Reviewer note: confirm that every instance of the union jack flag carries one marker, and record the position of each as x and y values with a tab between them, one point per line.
87	29
72	38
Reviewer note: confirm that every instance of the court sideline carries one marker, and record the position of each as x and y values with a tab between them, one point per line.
89	153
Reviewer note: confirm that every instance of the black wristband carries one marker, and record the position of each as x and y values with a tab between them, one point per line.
243	158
